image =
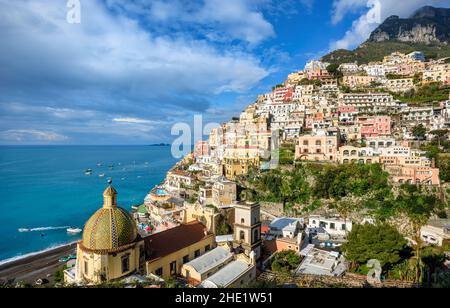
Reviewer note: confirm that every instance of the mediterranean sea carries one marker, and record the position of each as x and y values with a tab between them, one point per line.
45	189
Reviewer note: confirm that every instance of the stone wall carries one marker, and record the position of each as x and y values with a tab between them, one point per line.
275	209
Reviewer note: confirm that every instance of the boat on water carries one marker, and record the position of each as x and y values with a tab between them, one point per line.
23	230
111	166
74	230
88	171
99	164
101	175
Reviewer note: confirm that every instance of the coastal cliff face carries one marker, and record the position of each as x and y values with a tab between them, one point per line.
428	30
428	25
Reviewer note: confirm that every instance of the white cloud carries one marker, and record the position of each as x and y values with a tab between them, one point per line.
115	51
80	76
365	24
131	120
31	135
217	19
343	7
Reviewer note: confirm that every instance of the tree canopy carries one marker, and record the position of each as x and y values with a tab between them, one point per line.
382	242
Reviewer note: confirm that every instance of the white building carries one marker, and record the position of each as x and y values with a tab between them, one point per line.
436	232
322	263
236	274
286	227
336	227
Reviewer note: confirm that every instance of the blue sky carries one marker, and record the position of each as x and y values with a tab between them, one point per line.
131	69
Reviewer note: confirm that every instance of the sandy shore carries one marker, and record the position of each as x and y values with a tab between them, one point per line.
33	267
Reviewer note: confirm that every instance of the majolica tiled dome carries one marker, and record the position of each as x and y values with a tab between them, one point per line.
110	227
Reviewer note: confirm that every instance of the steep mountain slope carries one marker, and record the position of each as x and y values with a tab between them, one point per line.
428	30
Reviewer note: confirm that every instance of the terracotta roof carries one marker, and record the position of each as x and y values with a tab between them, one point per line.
166	242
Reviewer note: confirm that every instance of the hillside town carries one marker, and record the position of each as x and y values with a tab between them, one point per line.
281	194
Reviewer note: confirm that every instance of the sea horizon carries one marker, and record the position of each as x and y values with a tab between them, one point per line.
44	187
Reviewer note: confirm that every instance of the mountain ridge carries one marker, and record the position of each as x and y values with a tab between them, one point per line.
427	30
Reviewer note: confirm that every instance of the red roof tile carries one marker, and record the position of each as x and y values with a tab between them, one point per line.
166	242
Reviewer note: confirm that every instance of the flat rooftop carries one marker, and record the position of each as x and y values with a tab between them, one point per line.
320	262
211	259
226	275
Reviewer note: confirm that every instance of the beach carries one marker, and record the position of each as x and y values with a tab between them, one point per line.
30	268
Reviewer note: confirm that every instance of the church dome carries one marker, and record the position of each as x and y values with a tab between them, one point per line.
111	227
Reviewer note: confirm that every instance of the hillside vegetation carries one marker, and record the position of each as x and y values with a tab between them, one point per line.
375	51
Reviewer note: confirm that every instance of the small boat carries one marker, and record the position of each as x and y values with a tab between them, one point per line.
101	175
23	230
99	164
111	167
88	171
73	230
68	258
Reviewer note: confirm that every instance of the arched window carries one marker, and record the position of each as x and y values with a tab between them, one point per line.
242	235
242	221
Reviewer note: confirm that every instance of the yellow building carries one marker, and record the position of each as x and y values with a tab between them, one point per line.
355	81
234	167
111	247
197	212
167	251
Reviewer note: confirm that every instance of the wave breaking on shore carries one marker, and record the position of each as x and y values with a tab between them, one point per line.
32	254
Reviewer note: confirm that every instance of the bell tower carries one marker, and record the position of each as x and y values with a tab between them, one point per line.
247	228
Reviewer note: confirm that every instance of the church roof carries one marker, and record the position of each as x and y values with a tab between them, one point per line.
110	191
166	242
110	227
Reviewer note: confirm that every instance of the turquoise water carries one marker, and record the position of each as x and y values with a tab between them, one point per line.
45	187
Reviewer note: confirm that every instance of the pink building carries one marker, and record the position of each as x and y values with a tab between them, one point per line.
346	114
282	95
201	149
374	126
414	174
318	74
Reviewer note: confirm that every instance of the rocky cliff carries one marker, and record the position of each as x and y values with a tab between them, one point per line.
427	25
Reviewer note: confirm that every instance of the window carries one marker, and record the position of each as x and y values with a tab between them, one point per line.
242	221
242	235
141	254
159	272
332	226
197	253
318	142
86	267
343	227
173	268
207	248
125	263
255	235
305	142
185	259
